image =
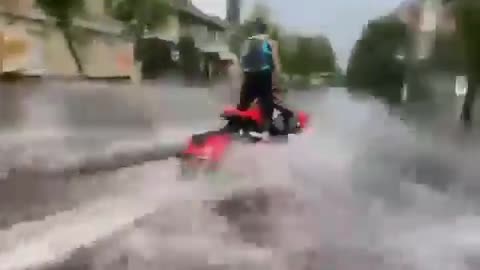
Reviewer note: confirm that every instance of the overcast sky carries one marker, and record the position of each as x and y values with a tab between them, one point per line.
340	20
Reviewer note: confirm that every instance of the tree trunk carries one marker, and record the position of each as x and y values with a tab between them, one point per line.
467	108
71	48
466	28
138	53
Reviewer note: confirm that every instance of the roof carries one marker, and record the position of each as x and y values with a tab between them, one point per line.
189	8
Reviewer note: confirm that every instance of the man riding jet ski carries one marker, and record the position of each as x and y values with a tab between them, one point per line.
207	150
260	63
251	122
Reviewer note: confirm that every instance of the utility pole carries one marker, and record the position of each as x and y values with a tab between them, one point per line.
234	12
233	16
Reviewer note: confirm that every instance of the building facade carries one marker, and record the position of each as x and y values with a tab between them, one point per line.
103	49
209	33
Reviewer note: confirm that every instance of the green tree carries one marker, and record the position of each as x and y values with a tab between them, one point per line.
373	65
309	55
323	55
275	32
301	60
260	10
447	54
467	20
286	52
189	57
64	12
140	17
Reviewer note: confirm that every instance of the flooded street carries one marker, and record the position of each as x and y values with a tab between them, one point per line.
366	190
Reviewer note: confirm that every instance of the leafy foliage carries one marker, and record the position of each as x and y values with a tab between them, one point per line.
467	14
140	15
467	18
448	54
157	58
310	55
374	65
64	12
189	56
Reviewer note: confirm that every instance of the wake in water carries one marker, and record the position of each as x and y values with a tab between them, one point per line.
296	209
365	192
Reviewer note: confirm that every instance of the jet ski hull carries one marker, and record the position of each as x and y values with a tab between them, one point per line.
206	151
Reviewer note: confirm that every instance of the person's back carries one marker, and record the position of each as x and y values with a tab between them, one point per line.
257	65
257	54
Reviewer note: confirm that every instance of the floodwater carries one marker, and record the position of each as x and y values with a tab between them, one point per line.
363	190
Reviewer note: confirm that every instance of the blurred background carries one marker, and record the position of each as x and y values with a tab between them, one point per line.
387	180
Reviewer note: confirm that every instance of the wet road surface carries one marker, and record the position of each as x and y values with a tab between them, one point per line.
74	128
364	191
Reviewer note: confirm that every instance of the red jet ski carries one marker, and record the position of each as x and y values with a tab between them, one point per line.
206	150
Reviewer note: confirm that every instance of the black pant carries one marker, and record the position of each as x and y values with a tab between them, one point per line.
287	116
280	106
258	85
